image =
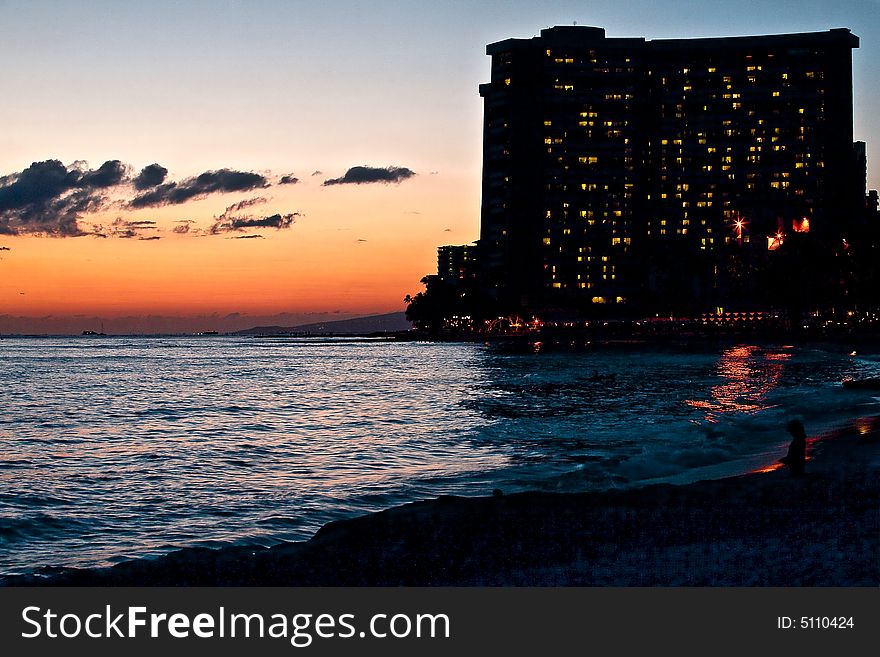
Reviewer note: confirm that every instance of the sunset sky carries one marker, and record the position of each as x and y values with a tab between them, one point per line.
232	101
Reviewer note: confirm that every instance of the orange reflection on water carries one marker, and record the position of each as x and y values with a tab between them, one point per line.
749	373
768	468
865	425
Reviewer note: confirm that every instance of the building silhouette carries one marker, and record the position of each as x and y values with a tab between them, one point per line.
622	175
457	264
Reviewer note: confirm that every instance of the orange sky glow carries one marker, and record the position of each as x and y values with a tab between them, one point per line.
355	248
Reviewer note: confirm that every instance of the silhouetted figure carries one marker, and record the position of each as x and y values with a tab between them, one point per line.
797	451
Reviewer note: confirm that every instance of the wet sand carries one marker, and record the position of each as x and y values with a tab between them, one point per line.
761	529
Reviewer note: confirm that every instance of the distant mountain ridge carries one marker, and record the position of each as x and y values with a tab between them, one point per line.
387	323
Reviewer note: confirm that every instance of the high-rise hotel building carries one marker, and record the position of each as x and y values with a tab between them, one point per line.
609	161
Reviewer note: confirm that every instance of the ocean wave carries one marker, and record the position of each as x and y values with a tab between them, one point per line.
145	444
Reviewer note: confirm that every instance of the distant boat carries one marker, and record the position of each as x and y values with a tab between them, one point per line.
95	332
862	384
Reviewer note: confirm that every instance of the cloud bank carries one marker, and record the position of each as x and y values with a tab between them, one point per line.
51	199
47	198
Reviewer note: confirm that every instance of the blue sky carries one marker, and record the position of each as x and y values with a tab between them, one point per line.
264	82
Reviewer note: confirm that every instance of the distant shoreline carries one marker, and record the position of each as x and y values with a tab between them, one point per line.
759	529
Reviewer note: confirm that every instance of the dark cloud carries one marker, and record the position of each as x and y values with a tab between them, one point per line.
278	221
210	182
151	175
149	238
318	173
360	240
5	248
247	203
48	197
183	226
365	175
109	174
289	179
230	222
41	182
125	229
246	237
447	230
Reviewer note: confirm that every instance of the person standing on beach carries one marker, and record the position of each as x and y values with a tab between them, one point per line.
797	451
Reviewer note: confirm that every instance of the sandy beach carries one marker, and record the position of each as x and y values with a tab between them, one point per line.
761	529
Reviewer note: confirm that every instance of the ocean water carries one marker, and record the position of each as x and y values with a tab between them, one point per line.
114	448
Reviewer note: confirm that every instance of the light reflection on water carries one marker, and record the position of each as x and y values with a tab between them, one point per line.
121	447
748	374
